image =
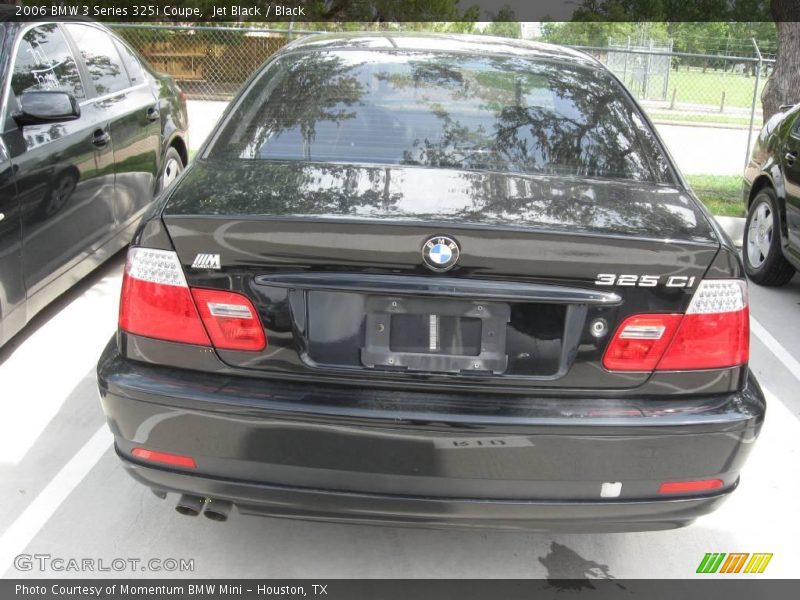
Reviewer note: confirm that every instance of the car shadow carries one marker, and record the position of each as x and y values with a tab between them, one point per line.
52	309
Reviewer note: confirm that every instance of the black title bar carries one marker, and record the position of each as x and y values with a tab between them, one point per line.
268	11
367	589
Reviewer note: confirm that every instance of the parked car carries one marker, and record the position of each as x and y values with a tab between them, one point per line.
89	134
771	244
441	280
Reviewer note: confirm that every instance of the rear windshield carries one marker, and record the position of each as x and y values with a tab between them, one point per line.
507	114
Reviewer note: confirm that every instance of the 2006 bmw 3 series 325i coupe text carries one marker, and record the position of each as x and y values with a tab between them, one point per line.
434	280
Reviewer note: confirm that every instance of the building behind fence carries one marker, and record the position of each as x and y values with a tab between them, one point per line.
209	63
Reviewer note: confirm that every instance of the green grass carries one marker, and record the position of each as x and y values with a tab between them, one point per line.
722	194
696	87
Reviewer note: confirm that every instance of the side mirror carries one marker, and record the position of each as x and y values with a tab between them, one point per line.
40	108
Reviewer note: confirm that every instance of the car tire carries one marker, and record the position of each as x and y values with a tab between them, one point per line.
764	262
58	195
171	168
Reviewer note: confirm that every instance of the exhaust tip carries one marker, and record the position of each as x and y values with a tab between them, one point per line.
187	510
189	505
215	516
218	510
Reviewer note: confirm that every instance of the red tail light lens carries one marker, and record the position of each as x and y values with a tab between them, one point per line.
156	302
640	342
714	333
230	320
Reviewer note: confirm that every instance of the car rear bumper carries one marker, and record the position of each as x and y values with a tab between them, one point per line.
507	462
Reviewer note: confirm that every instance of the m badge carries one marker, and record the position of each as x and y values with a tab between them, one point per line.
206	261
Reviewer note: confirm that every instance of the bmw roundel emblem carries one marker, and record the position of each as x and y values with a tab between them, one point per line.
440	253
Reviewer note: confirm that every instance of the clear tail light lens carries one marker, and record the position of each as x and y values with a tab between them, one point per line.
157	302
714	333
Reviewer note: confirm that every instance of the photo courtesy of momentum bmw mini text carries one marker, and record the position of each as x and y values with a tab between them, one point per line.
367	298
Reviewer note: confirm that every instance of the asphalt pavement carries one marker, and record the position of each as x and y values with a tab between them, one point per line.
64	494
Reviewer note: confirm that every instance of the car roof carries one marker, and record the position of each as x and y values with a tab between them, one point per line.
442	42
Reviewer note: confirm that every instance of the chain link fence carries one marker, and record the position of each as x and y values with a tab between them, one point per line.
642	71
685	87
211	63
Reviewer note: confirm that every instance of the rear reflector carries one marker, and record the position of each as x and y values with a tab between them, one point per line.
156	302
714	333
165	458
682	487
230	320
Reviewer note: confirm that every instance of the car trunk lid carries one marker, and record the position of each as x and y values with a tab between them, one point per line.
332	258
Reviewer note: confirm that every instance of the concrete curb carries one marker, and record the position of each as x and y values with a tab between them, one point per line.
705	124
734	227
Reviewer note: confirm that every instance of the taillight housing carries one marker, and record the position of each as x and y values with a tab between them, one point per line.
640	341
230	319
714	333
157	302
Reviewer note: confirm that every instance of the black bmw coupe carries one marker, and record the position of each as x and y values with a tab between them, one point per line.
439	280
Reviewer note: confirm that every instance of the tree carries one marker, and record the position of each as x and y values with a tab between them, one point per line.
504	24
783	86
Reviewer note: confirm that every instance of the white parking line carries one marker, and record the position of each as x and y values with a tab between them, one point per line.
774	346
17	537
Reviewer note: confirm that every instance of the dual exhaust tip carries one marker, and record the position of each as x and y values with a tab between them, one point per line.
216	510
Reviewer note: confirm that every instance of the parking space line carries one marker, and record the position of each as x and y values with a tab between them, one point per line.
17	537
774	346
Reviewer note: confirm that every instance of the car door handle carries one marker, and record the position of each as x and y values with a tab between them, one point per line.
153	114
101	138
790	157
2	216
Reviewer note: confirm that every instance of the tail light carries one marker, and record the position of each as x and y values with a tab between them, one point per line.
230	320
714	333
640	342
157	302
